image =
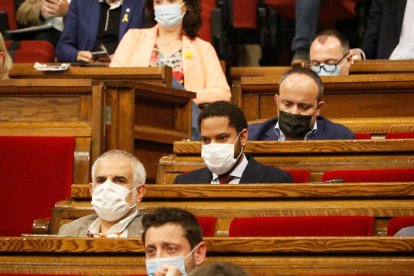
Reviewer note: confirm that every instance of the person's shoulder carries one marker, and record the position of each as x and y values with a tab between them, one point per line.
271	174
73	227
190	177
335	129
405	232
257	131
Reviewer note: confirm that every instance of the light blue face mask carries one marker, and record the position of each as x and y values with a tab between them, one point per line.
326	69
156	264
168	15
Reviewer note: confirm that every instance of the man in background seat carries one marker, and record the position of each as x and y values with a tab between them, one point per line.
224	135
118	186
299	103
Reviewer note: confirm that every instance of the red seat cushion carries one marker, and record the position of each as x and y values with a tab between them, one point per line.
208	225
205	30
362	136
33	50
245	14
35	173
300	176
304	226
9	7
400	135
376	175
395	224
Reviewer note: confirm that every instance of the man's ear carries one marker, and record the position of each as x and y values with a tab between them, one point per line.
90	188
200	253
277	100
320	105
2	57
141	191
244	134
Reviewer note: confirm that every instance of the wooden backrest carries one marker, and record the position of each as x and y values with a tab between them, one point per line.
379	200
316	156
258	256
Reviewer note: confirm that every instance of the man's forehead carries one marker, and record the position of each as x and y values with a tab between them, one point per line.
298	85
114	165
169	232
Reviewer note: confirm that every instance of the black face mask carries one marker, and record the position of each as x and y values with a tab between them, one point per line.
294	125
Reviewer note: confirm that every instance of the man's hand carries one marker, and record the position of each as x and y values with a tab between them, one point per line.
356	54
84	56
168	270
54	8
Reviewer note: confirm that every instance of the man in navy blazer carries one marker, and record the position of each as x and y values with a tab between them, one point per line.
299	102
224	134
85	22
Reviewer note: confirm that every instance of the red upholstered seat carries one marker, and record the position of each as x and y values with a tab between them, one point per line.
35	173
375	175
304	226
362	136
208	225
395	224
245	14
9	7
33	50
330	9
300	176
400	135
205	30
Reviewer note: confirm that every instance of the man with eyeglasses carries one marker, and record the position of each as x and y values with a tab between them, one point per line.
299	103
329	54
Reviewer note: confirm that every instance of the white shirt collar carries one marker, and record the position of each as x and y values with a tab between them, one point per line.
237	172
117	230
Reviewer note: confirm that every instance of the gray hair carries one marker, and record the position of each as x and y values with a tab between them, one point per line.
138	169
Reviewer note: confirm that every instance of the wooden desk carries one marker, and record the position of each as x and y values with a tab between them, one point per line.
316	156
258	256
146	119
354	96
381	66
151	74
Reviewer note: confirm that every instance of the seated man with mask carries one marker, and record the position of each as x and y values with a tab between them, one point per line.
329	54
173	242
118	185
223	129
299	103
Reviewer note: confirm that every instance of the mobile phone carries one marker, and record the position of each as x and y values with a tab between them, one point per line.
100	55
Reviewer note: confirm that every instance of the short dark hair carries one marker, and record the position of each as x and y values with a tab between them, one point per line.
162	216
307	72
218	269
237	119
191	20
343	40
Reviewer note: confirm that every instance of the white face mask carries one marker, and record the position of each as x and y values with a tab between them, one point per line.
154	265
219	157
168	15
108	201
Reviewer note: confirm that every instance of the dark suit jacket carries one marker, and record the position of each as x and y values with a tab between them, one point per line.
383	29
327	130
254	173
82	23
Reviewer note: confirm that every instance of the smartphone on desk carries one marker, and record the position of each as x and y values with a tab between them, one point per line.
100	56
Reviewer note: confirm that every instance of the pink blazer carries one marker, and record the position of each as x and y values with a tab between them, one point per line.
202	71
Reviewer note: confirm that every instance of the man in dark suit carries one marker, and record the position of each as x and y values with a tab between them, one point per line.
90	23
299	102
224	134
384	36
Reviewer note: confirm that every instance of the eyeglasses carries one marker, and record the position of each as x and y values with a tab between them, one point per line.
329	68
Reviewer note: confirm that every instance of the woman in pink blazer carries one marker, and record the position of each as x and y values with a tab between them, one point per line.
174	42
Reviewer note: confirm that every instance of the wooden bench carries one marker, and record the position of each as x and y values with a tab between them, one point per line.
380	200
36	107
315	156
157	75
354	96
258	256
139	117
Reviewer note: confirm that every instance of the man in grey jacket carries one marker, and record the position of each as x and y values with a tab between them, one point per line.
118	186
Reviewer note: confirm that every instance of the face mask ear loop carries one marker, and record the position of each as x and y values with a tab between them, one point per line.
192	251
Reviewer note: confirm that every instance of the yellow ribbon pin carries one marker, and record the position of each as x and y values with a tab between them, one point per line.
188	54
125	19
